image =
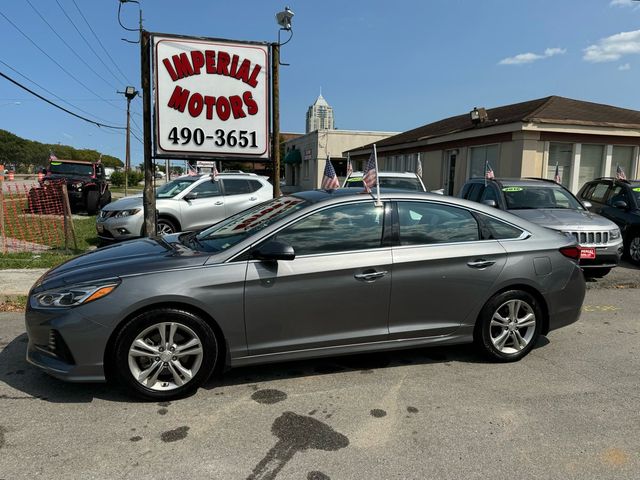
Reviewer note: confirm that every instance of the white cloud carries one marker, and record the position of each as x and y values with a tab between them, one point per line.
623	3
614	47
626	66
529	57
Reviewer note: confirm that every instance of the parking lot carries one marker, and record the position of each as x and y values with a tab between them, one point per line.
569	410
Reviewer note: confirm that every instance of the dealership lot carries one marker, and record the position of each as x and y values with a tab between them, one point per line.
568	410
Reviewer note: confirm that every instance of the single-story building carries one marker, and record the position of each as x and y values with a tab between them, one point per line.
584	140
305	156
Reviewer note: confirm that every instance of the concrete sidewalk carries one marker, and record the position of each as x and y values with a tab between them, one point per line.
17	282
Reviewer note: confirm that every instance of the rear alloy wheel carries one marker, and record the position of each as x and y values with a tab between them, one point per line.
633	248
509	326
164	354
165	226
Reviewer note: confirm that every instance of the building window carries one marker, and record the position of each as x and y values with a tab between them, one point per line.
480	156
560	155
591	163
622	156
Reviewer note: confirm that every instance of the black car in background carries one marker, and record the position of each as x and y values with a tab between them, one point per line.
619	201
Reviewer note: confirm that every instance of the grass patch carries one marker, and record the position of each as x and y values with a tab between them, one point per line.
85	235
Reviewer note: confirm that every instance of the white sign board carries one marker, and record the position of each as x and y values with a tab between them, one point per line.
211	98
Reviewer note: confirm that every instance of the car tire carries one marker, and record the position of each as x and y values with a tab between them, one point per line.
164	354
633	247
509	326
597	272
92	202
165	226
105	199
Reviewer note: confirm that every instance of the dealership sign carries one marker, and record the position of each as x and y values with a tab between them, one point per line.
211	98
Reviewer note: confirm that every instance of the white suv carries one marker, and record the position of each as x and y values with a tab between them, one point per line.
186	203
401	180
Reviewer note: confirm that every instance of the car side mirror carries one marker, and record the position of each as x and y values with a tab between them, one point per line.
274	250
587	204
190	196
490	203
621	204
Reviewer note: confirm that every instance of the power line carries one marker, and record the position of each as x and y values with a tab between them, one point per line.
53	94
58	64
58	106
100	43
101	77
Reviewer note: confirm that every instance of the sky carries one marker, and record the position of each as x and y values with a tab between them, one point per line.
382	66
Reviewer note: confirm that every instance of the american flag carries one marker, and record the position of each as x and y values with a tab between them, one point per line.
620	173
349	166
329	179
370	174
488	171
52	157
556	176
192	170
214	172
419	167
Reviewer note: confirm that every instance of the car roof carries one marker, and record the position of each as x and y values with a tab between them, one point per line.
388	174
519	182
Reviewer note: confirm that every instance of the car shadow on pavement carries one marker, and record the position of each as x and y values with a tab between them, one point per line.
33	384
363	362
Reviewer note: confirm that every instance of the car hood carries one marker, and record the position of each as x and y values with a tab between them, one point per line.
133	257
69	178
126	203
565	219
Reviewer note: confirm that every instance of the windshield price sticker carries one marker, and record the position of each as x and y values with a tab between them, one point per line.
211	98
637	189
512	189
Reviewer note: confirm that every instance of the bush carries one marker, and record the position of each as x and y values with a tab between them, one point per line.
117	179
135	177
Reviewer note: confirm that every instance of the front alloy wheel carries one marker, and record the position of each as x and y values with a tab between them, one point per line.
164	353
508	326
634	249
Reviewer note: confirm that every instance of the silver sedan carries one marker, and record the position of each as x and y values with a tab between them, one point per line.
315	274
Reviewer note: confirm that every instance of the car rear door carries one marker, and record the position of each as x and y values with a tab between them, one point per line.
239	194
335	292
442	270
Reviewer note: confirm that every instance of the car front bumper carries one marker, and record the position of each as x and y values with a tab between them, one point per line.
117	229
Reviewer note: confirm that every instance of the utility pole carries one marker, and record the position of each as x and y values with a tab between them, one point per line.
275	92
130	93
148	197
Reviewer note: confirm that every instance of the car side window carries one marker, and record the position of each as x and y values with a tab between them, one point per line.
343	228
495	229
474	192
489	194
423	223
616	195
207	189
254	185
600	192
235	186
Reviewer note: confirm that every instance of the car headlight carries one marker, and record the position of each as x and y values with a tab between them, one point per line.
76	185
126	213
74	295
614	234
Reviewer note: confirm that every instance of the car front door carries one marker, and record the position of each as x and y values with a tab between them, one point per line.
202	206
442	270
623	217
336	290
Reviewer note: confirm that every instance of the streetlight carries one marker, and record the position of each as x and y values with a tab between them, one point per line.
284	20
130	93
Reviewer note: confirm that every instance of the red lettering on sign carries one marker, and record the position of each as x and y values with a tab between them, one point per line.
195	105
223	63
252	106
223	108
209	102
253	79
210	61
234	65
179	99
243	71
172	72
197	59
236	106
182	65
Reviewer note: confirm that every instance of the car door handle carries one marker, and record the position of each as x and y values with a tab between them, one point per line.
480	263
370	276
253	198
219	202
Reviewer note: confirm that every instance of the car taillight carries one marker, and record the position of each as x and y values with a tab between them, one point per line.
571	252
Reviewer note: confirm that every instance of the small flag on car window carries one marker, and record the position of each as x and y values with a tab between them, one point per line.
620	173
488	171
329	179
556	176
370	173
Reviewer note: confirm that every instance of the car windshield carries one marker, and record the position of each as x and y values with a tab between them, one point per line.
174	187
533	197
401	183
80	169
635	189
236	228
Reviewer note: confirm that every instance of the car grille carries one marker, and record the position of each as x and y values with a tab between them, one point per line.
591	238
58	347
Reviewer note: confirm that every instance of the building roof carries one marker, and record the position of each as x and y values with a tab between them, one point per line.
320	102
553	109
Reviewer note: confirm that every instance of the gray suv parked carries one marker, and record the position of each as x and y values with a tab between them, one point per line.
551	205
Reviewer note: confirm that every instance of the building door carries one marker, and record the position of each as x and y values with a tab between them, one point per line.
449	172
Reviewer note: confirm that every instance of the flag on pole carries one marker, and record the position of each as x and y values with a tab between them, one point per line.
556	176
488	171
52	157
214	172
620	173
349	166
370	173
192	170
419	167
329	179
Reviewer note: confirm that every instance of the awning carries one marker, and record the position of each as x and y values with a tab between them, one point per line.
293	157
